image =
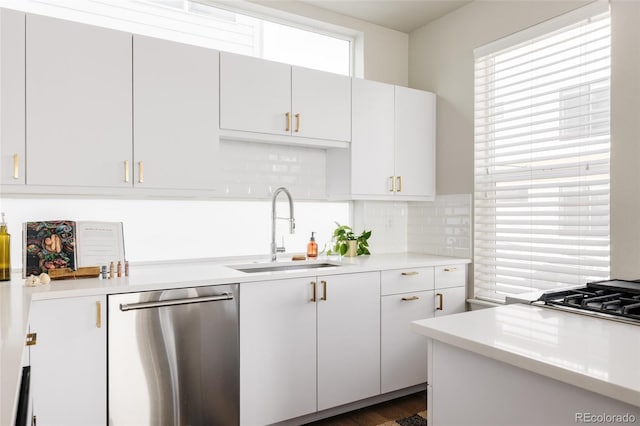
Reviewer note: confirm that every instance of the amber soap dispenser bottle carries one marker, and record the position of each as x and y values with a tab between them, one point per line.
312	247
5	254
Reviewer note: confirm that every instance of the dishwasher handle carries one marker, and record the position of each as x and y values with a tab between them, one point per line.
172	302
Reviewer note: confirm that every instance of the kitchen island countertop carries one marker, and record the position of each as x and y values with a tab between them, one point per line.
599	355
15	299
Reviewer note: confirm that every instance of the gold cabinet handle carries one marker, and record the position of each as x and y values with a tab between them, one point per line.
16	166
288	128
439	308
393	184
450	269
297	122
140	172
32	339
126	171
324	290
98	315
409	299
410	273
399	178
313	293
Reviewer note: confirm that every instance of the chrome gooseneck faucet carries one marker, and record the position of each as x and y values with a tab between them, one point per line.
292	222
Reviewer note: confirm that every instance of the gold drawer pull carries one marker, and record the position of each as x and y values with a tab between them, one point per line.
126	171
313	294
98	315
32	339
409	299
16	166
140	172
393	184
297	122
440	297
399	183
411	273
324	290
450	269
288	128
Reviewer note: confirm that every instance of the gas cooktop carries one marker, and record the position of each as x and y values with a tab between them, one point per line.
611	299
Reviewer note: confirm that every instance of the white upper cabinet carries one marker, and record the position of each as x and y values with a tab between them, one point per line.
255	95
78	104
320	104
372	148
272	98
415	155
12	147
175	111
392	149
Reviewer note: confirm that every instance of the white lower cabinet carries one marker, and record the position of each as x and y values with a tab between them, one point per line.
407	295
69	361
403	352
277	351
450	289
348	338
308	344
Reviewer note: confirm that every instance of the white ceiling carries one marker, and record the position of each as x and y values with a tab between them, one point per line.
400	15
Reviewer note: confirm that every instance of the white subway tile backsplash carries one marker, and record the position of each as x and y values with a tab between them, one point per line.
387	220
441	227
254	170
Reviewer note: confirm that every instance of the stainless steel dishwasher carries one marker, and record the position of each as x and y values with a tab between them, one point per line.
174	357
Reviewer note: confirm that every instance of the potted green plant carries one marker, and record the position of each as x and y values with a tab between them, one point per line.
347	243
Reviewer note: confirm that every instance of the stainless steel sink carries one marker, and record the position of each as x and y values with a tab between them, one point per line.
282	267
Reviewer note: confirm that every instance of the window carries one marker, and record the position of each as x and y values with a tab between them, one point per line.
541	202
205	25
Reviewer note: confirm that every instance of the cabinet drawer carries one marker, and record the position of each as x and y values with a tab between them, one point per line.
406	280
450	276
403	352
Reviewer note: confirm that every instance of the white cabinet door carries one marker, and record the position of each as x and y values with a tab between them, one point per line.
12	130
175	98
449	301
78	103
403	352
348	338
372	149
415	142
277	351
255	95
320	104
69	361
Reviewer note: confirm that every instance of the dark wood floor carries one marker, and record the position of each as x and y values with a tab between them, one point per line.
380	413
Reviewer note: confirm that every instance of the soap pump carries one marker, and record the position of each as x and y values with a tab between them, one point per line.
312	247
5	253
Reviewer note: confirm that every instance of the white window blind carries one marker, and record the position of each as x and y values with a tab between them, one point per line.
541	204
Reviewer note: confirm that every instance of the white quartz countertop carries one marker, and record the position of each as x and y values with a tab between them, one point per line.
15	299
596	354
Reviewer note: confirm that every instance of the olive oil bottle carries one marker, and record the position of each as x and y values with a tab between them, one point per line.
5	252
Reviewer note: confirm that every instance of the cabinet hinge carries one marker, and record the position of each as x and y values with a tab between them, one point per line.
32	339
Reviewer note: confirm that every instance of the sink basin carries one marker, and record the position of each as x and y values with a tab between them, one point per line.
282	267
